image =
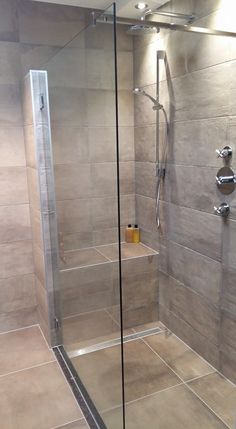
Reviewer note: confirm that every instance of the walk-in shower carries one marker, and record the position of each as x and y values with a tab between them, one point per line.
144	329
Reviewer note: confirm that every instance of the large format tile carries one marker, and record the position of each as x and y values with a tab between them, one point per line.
191	307
72	181
49	24
207	134
178	356
12	147
32	399
175	408
145	373
23	349
196	271
8	22
16	259
195	229
13	186
145	143
17	293
12	227
10	109
219	394
83	330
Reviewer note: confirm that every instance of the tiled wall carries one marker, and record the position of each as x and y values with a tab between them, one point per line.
82	98
30	33
197	278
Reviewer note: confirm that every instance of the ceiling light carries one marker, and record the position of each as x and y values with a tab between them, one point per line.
141	5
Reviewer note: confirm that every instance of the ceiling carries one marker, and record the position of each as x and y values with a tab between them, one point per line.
125	8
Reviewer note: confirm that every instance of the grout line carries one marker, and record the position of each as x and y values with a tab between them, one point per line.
187	386
27	368
64	425
41	331
143	397
200	376
20	329
112	318
102	254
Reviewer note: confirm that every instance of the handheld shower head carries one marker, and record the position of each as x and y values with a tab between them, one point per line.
157	105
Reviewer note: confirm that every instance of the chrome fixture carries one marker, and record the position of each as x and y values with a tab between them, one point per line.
226	180
142	29
224	153
157	105
222	210
188	18
108	19
141	5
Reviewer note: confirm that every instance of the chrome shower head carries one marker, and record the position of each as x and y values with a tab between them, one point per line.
157	105
142	29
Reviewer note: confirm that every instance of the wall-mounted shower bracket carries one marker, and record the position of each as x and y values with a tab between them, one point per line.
188	18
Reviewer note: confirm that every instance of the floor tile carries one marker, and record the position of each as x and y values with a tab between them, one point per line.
183	360
174	408
23	349
145	373
128	250
88	329
37	398
219	394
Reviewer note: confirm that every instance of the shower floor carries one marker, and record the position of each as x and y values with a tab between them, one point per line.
167	384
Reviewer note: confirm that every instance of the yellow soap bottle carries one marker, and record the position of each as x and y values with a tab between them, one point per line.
129	233
136	234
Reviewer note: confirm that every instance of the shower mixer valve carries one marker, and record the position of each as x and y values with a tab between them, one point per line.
224	153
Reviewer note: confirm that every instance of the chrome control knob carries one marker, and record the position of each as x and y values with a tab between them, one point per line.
226	152
222	210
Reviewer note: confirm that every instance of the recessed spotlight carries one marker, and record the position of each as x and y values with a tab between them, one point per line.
141	5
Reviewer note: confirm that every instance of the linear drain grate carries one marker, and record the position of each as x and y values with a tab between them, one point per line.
113	342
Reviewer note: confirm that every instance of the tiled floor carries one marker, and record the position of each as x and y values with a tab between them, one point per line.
167	385
33	391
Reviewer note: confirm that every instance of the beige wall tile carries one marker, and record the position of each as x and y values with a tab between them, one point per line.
10	109
16	259
13	185
48	24
12	146
18	319
72	181
10	71
70	144
8	21
14	227
17	293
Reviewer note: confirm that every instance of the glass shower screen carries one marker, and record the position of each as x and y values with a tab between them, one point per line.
83	103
